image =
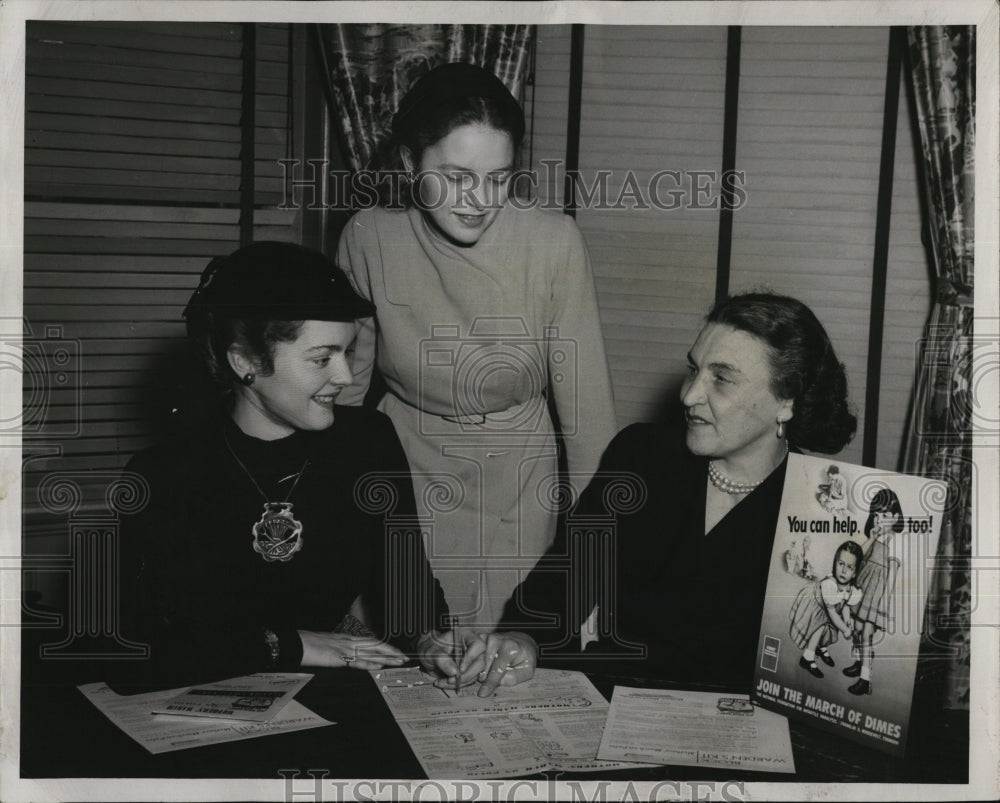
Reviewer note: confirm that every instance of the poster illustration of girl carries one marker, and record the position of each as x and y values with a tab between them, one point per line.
876	580
822	609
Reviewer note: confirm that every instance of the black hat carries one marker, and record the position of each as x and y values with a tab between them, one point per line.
450	82
279	282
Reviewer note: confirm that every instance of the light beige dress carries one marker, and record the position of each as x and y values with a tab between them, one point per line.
473	342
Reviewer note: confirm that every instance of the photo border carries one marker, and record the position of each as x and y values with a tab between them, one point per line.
984	756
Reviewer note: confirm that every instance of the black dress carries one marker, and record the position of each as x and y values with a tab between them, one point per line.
674	603
195	589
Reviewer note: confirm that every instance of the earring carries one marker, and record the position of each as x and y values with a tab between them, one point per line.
248	379
781	428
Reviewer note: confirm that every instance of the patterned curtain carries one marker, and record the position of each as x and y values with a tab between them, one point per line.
942	61
373	65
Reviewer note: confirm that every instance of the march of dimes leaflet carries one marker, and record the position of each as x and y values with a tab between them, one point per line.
826	503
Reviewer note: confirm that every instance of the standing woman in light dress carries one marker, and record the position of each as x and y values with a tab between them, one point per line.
486	320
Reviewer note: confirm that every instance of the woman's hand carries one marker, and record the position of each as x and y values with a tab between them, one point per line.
440	654
340	649
497	659
448	656
503	659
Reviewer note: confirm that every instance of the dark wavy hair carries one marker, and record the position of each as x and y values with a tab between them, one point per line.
440	120
260	295
804	367
884	501
433	108
213	335
855	549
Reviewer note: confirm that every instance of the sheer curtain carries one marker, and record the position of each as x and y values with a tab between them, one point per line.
373	65
942	62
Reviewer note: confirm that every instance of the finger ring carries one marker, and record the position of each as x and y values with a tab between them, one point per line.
349	659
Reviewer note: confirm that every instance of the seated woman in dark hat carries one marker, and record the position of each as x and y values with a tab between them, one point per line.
672	539
282	533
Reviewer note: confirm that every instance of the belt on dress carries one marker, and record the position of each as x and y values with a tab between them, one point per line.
475	418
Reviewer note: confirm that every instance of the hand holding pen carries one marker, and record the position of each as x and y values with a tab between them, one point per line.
502	659
495	659
440	654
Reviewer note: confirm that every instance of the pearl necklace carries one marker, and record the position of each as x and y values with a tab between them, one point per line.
726	485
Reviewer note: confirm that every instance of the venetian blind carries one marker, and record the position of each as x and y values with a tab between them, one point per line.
653	100
273	138
547	110
809	138
809	143
132	183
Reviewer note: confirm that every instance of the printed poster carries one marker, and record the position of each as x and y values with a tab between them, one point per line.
847	584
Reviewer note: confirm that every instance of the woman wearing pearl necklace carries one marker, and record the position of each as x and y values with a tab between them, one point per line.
688	524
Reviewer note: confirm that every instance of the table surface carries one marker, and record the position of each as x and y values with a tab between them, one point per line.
63	735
